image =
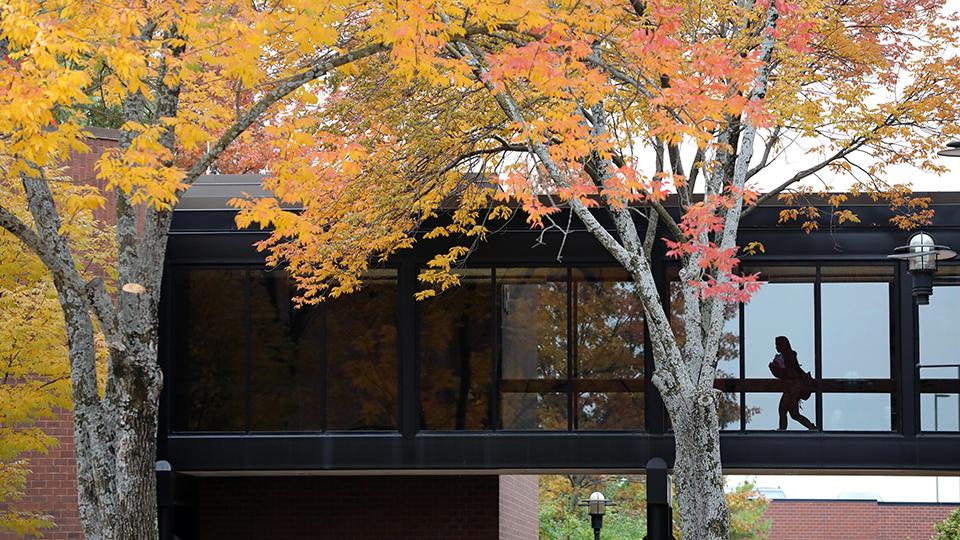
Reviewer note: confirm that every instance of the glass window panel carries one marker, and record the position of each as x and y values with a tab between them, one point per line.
285	345
763	412
729	411
533	410
210	374
533	323
361	348
728	363
856	330
609	325
939	339
455	346
782	307
857	412
939	412
610	410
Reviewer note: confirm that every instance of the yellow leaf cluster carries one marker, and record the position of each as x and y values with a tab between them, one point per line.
34	376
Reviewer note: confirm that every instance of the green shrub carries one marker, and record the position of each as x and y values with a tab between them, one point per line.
949	529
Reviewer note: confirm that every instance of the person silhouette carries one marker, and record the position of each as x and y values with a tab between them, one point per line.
796	384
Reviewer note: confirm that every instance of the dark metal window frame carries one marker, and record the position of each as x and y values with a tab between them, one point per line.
938	385
570	385
817	265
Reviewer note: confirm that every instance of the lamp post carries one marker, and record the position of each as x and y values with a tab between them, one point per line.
596	506
922	255
659	505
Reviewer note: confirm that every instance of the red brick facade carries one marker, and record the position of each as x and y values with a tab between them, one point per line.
519	507
853	520
52	488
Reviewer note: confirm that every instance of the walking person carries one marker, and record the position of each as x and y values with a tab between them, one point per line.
797	384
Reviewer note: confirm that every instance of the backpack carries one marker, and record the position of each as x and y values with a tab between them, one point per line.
806	385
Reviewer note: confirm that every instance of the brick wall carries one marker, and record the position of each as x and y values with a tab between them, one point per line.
519	507
82	168
383	507
52	488
853	520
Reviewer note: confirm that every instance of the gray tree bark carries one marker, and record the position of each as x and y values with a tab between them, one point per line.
684	378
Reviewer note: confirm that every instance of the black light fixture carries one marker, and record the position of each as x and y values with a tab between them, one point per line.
922	255
953	149
596	506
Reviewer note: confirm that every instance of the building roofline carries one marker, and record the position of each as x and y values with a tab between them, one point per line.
211	192
780	500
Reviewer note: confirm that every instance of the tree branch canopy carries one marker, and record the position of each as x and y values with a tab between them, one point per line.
375	120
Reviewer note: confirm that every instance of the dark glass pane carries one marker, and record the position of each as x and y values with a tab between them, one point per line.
609	325
455	346
533	411
939	339
855	323
763	412
361	348
782	307
939	412
533	323
610	410
211	356
856	412
285	347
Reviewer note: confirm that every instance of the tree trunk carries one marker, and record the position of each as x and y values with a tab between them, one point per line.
116	434
117	480
697	469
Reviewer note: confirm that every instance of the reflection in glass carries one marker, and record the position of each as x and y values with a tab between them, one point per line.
778	309
361	349
764	412
729	411
939	339
533	323
856	412
939	412
609	326
609	341
610	410
285	346
210	376
856	330
455	346
533	411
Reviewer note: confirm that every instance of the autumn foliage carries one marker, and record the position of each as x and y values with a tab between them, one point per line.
445	116
379	124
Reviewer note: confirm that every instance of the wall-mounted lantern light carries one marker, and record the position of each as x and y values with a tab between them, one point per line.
953	150
922	255
596	506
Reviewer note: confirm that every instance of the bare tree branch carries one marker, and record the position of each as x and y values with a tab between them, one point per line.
843	152
21	230
281	90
